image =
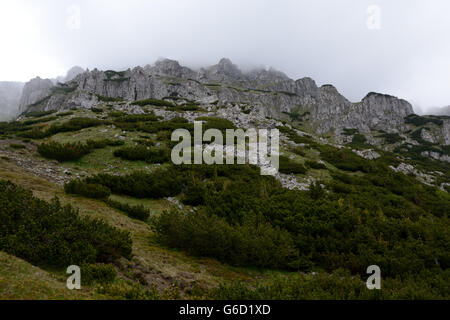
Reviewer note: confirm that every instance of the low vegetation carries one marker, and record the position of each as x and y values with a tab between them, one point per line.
72	151
48	234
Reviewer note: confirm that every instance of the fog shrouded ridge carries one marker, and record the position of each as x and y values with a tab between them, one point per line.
398	48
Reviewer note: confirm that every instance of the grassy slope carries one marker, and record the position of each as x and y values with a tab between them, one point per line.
162	265
20	280
165	265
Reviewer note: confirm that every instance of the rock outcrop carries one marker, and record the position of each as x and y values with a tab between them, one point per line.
269	92
35	91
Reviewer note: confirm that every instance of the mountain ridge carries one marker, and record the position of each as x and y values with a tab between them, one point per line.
271	92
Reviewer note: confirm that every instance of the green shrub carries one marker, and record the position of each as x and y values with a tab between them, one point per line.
35	133
63	152
216	123
298	151
359	139
154	102
252	243
420	121
134	118
109	99
158	184
336	286
144	153
97	273
74	124
89	190
65	114
344	159
350	131
195	194
39	114
315	165
46	233
391	138
137	212
73	151
290	167
41	120
17	146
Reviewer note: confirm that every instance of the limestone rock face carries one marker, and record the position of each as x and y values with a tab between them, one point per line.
385	112
268	92
437	133
34	91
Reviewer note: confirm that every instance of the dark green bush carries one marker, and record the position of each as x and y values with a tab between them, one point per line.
350	131
195	194
65	114
46	233
158	184
89	190
344	159
288	166
154	102
339	285
41	120
216	123
252	243
144	153
136	212
17	146
39	114
74	124
134	118
391	138
315	165
35	133
73	151
359	139
97	273
299	151
420	121
63	152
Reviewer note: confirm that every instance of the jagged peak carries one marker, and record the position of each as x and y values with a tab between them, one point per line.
385	96
169	67
262	73
306	80
329	88
227	67
167	62
377	94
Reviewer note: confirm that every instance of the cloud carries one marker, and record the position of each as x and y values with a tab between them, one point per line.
409	56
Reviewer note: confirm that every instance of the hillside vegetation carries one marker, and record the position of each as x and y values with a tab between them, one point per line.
143	228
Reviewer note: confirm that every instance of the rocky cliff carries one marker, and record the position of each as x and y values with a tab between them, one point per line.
268	92
35	91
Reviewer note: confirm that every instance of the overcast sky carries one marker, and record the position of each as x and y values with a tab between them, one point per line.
399	47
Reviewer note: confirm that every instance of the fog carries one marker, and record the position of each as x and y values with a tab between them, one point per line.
396	47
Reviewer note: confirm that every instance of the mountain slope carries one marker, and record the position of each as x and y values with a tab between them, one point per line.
269	92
